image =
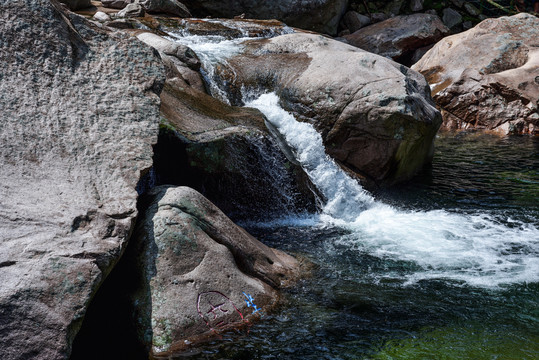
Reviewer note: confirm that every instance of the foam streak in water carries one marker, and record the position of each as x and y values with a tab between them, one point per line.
476	249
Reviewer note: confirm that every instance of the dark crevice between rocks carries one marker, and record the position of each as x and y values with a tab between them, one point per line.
261	184
111	328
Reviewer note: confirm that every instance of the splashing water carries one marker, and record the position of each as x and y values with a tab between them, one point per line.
477	249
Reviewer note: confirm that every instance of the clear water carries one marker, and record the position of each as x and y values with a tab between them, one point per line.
445	267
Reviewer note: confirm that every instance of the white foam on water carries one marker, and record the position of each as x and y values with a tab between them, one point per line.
476	249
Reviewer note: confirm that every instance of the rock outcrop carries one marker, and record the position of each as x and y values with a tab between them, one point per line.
201	273
172	7
398	38
488	77
223	151
80	112
316	15
375	116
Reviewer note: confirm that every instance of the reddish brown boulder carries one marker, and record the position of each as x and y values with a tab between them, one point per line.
488	77
399	37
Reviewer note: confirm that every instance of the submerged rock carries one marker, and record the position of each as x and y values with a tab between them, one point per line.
488	77
80	112
399	37
200	272
316	15
375	116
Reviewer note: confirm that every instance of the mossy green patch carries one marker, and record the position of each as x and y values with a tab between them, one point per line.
470	342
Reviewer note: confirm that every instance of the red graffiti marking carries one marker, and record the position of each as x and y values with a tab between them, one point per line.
217	310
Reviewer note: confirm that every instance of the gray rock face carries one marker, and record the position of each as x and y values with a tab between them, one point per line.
488	77
316	15
131	10
79	116
354	21
416	5
77	4
375	116
451	18
173	7
399	37
202	273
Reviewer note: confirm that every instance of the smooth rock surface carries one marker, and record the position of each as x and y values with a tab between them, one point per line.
399	37
80	113
316	15
375	116
202	274
488	76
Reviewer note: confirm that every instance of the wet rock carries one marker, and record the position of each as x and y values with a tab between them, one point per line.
229	156
231	29
485	77
375	116
201	273
354	21
131	10
316	15
77	4
399	37
451	18
80	113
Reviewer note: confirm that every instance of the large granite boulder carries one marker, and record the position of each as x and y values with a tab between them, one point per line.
488	77
375	116
80	112
316	15
201	274
399	37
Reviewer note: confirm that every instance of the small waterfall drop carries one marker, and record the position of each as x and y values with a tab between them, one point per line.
477	249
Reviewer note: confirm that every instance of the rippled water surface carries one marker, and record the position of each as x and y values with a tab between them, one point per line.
360	303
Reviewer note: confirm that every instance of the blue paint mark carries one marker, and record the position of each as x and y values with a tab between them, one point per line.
250	302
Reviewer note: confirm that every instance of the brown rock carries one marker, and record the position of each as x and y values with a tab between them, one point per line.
399	37
485	78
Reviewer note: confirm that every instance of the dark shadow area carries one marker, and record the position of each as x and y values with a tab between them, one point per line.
114	328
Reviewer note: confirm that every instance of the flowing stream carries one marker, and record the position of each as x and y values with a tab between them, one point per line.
446	267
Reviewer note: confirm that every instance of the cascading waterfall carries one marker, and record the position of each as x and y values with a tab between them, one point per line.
477	249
